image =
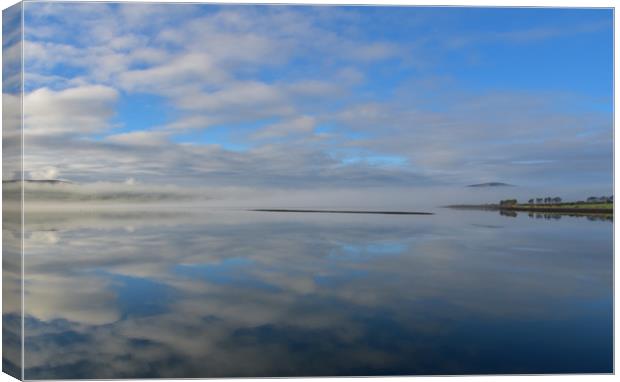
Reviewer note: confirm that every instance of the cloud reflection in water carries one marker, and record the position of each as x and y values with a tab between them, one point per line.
186	293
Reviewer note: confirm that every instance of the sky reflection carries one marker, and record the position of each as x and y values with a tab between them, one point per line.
234	293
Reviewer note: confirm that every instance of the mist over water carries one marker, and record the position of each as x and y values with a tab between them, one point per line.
422	198
212	292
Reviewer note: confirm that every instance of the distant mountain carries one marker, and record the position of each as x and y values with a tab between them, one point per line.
491	184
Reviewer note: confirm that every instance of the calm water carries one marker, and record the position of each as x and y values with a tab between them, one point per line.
234	293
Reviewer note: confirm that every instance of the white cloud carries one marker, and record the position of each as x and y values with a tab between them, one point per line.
315	88
299	125
234	102
11	136
47	172
374	51
192	122
79	110
190	68
141	138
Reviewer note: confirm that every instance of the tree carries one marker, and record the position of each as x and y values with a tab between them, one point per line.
557	199
539	200
531	201
508	202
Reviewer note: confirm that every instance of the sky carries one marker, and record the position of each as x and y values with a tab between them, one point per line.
320	101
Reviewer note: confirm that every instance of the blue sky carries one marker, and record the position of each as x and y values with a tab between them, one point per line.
328	97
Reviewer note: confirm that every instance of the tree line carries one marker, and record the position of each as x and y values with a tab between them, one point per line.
558	200
547	200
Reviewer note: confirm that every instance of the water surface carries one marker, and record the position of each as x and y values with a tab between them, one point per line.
216	293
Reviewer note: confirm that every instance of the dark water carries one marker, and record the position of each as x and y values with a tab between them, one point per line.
223	294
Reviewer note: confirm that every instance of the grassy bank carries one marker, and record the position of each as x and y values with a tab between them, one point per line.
585	208
606	208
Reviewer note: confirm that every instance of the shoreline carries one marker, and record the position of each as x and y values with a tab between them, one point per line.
542	209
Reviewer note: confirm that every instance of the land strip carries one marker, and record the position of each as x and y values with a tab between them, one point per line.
344	212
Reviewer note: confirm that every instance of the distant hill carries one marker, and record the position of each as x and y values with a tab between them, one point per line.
58	190
42	181
491	184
